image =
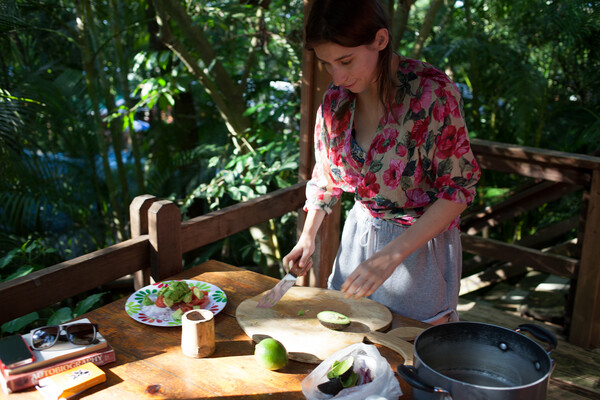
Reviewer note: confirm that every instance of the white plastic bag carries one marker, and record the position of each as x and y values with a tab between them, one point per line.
383	383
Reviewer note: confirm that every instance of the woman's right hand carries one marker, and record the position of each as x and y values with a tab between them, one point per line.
299	260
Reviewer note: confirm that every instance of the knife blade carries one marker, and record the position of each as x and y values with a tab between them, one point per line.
274	295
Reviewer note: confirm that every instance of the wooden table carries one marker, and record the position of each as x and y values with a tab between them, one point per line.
148	355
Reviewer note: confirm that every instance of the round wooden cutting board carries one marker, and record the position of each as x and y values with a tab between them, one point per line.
293	321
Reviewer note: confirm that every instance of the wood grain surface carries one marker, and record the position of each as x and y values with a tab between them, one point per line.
151	365
293	321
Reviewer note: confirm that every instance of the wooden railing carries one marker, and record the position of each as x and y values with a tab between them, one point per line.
160	238
559	174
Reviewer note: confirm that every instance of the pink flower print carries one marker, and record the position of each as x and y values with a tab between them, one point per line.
462	141
446	104
418	176
385	140
369	187
392	176
352	178
423	98
339	126
336	192
401	150
452	141
396	111
439	111
416	198
419	131
333	98
369	157
336	156
452	105
348	150
443	182
407	65
434	74
377	214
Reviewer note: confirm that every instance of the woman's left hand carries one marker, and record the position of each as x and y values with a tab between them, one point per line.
369	275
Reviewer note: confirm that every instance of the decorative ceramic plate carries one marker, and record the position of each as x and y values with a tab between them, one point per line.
156	316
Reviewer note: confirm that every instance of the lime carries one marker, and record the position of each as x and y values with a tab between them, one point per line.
270	354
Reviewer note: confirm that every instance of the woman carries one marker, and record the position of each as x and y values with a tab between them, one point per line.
391	131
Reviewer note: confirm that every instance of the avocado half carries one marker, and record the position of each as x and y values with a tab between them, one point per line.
333	320
340	376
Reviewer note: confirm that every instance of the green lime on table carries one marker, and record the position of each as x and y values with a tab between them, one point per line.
270	354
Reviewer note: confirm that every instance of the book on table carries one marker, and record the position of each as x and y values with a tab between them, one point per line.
24	380
58	358
62	350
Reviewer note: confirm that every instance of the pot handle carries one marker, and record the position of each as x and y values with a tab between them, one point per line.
409	374
540	333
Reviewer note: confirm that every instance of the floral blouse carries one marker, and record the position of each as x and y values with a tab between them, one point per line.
421	150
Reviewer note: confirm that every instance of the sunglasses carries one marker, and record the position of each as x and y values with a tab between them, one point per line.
79	334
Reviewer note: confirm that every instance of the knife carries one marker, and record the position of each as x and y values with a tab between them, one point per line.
275	294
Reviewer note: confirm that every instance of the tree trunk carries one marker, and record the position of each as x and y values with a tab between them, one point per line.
400	21
92	80
227	95
224	91
426	27
129	103
115	131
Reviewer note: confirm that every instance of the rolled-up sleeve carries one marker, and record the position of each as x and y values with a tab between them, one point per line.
321	191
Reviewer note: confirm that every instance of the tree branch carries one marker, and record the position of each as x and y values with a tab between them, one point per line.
426	27
226	94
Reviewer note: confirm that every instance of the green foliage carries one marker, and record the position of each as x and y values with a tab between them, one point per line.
256	46
20	324
52	315
529	72
530	75
246	176
32	256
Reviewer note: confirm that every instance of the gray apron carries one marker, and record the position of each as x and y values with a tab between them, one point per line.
424	286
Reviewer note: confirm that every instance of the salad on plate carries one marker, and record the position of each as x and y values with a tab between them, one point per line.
178	297
164	303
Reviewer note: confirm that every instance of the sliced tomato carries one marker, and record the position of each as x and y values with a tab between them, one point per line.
160	301
185	307
204	301
195	301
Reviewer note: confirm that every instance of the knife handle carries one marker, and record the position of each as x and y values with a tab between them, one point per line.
295	270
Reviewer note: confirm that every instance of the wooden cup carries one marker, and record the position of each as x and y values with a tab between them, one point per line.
198	333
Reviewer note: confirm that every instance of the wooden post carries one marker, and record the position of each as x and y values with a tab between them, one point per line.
138	220
164	233
314	82
585	327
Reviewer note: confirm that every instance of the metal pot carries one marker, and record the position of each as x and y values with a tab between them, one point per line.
472	361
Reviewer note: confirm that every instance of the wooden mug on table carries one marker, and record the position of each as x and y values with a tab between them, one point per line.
198	333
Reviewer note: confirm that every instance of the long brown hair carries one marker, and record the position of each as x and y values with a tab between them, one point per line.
352	23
